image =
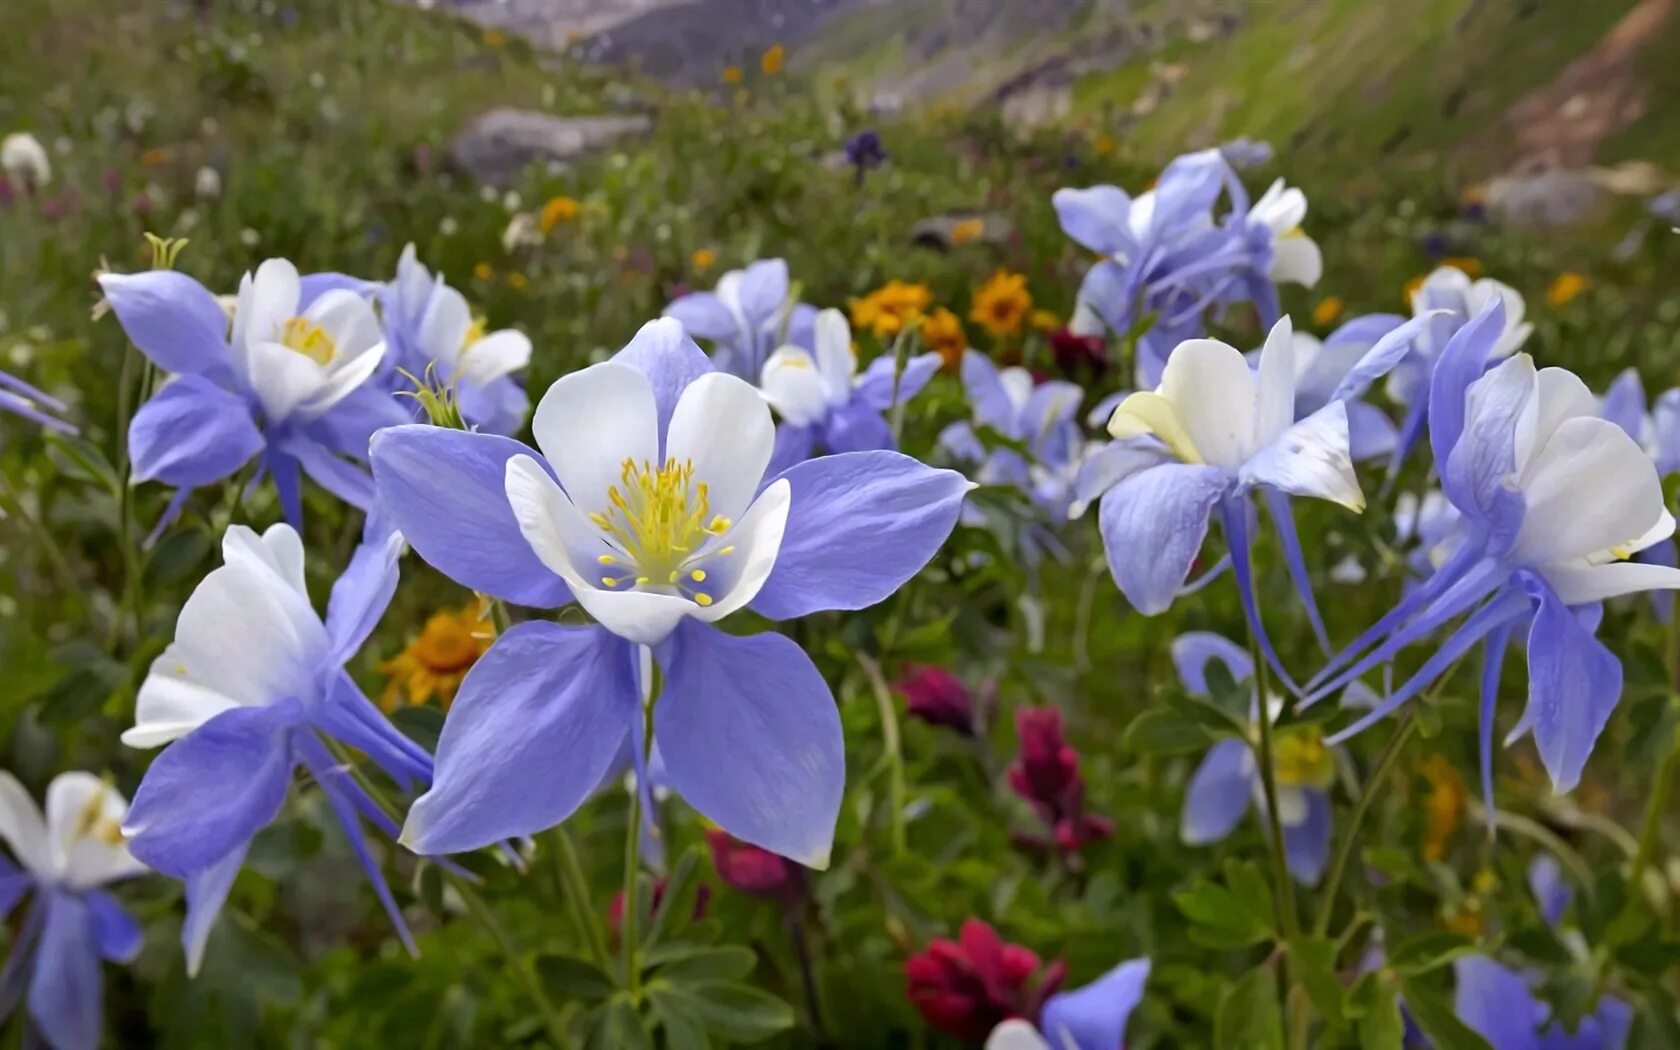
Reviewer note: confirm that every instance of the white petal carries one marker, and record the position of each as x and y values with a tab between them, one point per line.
724	427
1292	806
342	378
1559	395
757	538
444	326
1580	584
1296	259
558	532
1017	385
1213	393
497	355
590	422
266	301
794	388
282	378
835	360
169	706
1276	404
81	811
1310	459
349	322
279	549
1590	489
22	827
1016	1034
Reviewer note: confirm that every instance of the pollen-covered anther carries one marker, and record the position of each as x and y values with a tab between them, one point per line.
309	339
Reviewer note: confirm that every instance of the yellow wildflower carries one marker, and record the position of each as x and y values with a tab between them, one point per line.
1565	288
887	309
494	38
435	662
1001	303
1104	145
731	74
1044	320
484	271
942	332
772	60
967	231
1471	265
1326	312
1443	806
558	210
518	281
155	156
702	259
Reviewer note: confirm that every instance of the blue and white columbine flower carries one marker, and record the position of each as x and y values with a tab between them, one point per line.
434	337
647	506
1090	1018
289	383
746	317
1552	501
1228	778
66	858
251	688
825	405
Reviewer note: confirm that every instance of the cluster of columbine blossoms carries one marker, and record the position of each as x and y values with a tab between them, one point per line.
662	495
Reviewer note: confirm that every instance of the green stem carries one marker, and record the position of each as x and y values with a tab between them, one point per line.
526	972
1288	915
633	847
1350	834
894	749
125	499
900	352
575	885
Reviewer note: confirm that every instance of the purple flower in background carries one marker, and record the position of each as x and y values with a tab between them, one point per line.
1657	430
937	697
1046	775
33	404
1228	778
865	153
1090	1018
66	859
433	335
648	507
746	317
825	405
1243	153
1038	418
252	687
288	383
1552	500
1497	1004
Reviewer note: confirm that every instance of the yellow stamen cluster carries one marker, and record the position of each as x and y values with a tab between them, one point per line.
660	518
309	339
1302	760
92	823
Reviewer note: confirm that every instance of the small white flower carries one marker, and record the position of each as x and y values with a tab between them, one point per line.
208	183
24	159
1295	256
78	844
301	361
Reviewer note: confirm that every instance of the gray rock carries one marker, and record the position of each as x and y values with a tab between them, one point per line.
1546	199
495	146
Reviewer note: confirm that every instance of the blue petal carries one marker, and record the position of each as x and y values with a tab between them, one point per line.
763	290
496	408
537	722
704	316
444	490
172	319
1606	1029
1624	404
856	427
1493	664
859	525
1219	793
207	891
1153	524
192	433
1370	432
1386	352
337	475
13	885
117	935
359	597
1094	1017
1283	518
1475	475
213	789
1574	683
663	352
349	425
991	403
1192	650
875	387
1306	845
1462	363
349	716
66	988
751	738
1551	893
1496	1004
1095	217
794	445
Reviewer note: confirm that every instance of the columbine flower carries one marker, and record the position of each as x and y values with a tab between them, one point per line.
1656	430
825	404
252	687
970	986
434	337
1001	304
67	859
435	661
1037	416
649	507
1243	153
887	309
289	383
937	697
1552	500
942	332
1090	1018
24	160
33	404
1274	229
1046	775
756	872
1223	431
746	317
1228	778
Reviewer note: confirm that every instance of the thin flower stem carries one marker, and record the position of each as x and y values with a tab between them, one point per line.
1288	915
527	974
807	975
1350	835
575	885
633	844
126	541
895	752
901	353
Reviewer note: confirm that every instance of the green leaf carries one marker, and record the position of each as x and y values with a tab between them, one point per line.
1248	884
1429	951
723	962
1432	1014
677	884
682	1030
1380	1025
1314	964
573	978
623	1028
1248	1013
1166	731
732	1011
1221	919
